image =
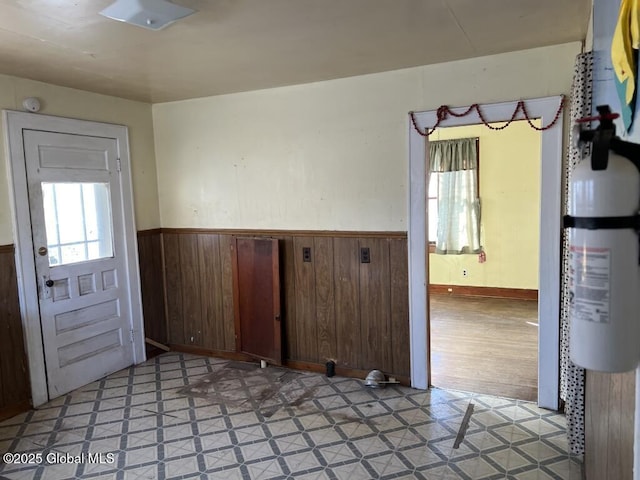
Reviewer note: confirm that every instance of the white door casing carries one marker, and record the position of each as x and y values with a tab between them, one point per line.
550	239
90	317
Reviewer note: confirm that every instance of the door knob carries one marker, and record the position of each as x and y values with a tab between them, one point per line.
42	251
49	283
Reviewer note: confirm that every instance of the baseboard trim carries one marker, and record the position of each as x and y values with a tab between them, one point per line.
340	371
292	364
7	248
224	354
494	292
13	410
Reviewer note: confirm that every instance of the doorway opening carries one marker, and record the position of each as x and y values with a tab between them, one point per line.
482	306
549	111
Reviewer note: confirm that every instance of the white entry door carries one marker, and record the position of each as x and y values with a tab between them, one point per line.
78	255
74	191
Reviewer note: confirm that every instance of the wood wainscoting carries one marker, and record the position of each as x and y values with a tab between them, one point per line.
334	307
152	287
609	424
15	392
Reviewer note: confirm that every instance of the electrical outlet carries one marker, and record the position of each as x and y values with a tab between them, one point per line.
306	254
365	255
464	272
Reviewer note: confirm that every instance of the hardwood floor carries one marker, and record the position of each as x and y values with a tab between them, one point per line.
485	345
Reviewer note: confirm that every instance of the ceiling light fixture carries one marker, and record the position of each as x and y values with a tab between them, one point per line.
151	14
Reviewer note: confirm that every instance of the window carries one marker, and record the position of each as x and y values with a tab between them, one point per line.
432	206
77	222
453	199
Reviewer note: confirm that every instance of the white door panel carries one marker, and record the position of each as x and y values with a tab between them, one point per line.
75	196
93	305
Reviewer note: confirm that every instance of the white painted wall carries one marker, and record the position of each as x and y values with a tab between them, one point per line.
68	102
330	155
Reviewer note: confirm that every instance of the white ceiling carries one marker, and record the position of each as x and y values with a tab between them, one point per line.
239	45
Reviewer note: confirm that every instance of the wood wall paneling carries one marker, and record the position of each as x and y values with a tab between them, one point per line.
333	307
152	285
306	325
375	308
210	268
399	300
228	313
347	287
323	261
609	424
174	288
288	288
15	392
191	289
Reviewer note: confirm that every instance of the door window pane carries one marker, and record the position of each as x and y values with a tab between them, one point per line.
77	221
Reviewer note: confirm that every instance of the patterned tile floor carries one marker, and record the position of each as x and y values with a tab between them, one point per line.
180	416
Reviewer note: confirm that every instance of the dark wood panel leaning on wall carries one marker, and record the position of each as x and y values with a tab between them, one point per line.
199	290
334	307
15	393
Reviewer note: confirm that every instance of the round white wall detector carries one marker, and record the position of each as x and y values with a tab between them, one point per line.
31	104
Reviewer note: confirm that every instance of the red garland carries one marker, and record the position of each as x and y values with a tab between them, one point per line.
444	110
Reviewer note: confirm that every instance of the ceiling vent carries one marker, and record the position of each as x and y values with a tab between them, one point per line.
151	14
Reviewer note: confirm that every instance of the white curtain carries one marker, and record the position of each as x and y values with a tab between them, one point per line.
455	165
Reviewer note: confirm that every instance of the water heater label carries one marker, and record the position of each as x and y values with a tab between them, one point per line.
590	281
